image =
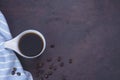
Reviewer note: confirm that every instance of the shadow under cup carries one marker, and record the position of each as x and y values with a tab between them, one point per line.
31	45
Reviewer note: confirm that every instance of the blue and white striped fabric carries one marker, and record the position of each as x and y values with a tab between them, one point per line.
8	59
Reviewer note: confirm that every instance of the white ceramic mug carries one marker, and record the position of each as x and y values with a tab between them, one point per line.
13	44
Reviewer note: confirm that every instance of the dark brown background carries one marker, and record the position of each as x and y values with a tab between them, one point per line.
88	31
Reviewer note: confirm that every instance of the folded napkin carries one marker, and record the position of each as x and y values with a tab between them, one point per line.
10	66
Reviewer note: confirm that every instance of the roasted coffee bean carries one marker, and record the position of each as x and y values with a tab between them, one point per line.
18	73
49	72
52	46
41	78
54	68
59	59
49	59
13	72
40	65
41	71
63	77
37	74
70	61
37	65
51	66
61	64
14	69
46	76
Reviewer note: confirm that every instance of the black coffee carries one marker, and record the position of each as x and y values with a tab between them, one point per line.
30	44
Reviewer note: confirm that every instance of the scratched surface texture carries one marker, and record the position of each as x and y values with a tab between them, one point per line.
86	31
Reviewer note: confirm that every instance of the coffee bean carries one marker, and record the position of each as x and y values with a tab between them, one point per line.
52	46
70	61
41	78
61	64
36	74
41	71
46	76
14	69
67	22
40	65
49	59
51	66
63	77
55	69
18	73
59	59
49	73
13	72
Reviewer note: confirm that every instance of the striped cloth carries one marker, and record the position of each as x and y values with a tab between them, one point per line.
10	66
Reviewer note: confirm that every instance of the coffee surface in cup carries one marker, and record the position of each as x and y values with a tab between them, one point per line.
30	44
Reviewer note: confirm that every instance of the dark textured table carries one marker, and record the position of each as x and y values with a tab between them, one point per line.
86	31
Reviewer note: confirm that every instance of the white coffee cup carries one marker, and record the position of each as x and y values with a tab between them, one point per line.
14	43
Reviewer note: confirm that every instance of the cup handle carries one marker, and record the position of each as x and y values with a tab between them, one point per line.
11	44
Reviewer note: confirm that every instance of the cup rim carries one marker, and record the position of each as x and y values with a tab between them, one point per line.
31	31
